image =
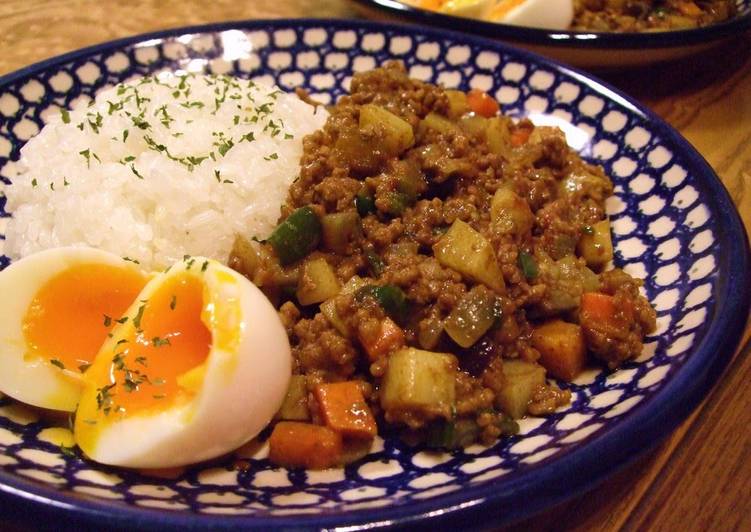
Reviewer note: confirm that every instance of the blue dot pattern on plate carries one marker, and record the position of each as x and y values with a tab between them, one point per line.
663	232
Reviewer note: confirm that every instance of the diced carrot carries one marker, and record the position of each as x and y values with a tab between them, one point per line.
520	136
389	338
344	409
562	348
294	444
597	307
431	4
482	103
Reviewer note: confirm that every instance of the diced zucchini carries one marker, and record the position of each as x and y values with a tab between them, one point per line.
562	348
438	123
452	434
318	282
398	134
365	203
468	252
375	262
457	103
390	297
510	213
421	382
520	380
597	248
339	229
295	405
296	236
477	311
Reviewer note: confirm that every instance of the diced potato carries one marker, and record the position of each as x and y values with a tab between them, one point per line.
398	134
597	248
468	252
339	229
510	213
244	257
328	307
295	405
498	136
344	409
457	103
390	336
562	348
318	282
421	382
520	380
294	444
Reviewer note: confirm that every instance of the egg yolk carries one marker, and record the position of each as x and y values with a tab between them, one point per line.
71	315
502	9
166	339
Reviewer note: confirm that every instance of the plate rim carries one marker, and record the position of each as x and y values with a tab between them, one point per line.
583	40
576	470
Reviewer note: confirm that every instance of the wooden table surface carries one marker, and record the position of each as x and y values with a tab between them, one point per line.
698	479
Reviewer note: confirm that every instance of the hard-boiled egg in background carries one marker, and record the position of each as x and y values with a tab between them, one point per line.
546	14
57	308
198	368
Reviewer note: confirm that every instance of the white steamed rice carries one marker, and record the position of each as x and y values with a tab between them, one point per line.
150	196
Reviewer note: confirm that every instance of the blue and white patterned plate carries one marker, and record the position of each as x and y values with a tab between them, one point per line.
582	48
674	225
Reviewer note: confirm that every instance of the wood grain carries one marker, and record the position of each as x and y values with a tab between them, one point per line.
698	478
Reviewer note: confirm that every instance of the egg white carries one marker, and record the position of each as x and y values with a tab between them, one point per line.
545	14
246	376
25	377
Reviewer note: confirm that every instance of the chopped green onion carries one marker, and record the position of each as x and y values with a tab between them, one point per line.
528	265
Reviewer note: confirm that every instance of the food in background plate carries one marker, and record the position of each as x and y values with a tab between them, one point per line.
434	262
159	167
590	15
650	15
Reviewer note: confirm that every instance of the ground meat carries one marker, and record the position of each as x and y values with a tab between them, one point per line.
525	200
620	339
547	398
649	15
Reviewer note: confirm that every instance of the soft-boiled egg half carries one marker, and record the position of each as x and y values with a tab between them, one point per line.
546	14
58	307
198	366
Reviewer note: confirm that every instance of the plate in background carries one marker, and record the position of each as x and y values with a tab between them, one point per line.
601	50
